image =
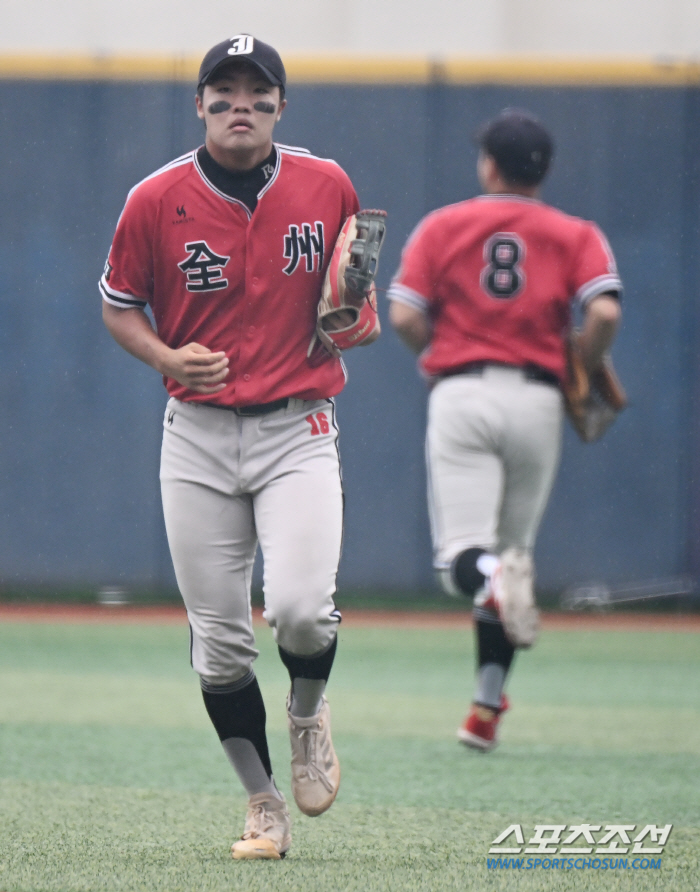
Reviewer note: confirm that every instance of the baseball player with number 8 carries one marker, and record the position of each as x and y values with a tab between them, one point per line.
229	247
484	294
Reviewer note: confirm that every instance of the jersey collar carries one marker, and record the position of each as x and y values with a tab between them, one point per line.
507	196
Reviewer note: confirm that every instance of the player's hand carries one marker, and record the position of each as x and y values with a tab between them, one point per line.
197	368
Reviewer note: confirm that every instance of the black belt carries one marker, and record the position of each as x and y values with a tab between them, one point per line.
531	372
255	409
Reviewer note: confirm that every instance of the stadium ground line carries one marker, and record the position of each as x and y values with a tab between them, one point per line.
405	619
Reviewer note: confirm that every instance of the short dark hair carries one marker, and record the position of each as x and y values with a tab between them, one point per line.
520	144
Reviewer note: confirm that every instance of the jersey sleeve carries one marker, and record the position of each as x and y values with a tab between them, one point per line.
413	282
351	203
127	280
595	270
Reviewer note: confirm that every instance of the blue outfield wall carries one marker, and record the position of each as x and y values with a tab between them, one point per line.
81	435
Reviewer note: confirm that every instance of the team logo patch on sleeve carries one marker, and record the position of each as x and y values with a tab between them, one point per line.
203	268
303	241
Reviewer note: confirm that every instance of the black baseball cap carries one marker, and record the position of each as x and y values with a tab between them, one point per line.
248	48
519	143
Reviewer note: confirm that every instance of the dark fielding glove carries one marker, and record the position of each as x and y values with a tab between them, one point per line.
593	400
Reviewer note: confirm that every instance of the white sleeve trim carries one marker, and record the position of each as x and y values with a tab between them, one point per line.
598	286
403	295
119	298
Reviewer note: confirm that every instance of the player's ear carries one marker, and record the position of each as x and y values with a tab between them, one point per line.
486	170
200	106
283	105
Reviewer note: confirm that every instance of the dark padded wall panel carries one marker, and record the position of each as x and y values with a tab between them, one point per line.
79	446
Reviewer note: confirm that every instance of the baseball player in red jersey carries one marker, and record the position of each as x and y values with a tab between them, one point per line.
484	294
228	246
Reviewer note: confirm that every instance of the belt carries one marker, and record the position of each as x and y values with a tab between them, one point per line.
253	410
531	372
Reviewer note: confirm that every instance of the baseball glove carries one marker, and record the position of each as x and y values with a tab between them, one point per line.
593	399
347	312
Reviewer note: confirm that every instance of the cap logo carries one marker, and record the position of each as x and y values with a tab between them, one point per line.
241	45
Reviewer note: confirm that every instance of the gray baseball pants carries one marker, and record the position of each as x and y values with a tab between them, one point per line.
229	482
492	446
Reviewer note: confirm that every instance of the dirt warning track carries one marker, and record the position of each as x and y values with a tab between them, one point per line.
175	615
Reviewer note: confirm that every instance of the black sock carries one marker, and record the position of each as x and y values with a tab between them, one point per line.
494	657
239	711
317	666
308	676
492	644
465	574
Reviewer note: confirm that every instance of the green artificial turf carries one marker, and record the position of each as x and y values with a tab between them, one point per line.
111	777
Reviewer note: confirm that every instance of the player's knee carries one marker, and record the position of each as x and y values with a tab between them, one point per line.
301	629
463	577
225	678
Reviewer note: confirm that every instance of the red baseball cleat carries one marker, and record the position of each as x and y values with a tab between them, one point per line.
481	725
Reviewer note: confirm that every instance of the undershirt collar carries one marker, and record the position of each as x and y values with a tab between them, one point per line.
244	185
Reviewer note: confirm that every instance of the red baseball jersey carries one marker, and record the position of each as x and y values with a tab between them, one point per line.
247	284
497	275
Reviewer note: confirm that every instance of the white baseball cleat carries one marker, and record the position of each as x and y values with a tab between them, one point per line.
512	587
315	766
267	830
